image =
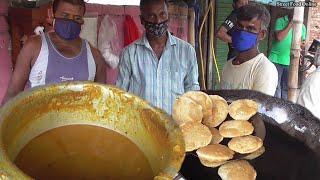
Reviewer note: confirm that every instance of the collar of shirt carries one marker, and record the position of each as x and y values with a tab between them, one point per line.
144	41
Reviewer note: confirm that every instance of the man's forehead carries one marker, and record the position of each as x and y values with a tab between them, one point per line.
67	7
253	22
156	7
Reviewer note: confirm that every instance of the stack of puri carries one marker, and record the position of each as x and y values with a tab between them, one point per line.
202	119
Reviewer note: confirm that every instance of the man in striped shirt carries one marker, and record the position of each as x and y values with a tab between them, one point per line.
159	66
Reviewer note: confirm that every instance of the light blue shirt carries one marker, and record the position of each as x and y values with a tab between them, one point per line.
159	81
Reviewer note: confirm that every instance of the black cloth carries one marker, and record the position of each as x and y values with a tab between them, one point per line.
230	24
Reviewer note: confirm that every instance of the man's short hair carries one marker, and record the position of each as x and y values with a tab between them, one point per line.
74	2
143	3
253	10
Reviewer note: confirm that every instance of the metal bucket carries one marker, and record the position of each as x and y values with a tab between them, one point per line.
34	112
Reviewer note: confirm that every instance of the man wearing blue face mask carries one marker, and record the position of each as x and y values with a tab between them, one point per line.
58	56
250	69
158	67
227	27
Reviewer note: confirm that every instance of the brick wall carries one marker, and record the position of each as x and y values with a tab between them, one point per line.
314	22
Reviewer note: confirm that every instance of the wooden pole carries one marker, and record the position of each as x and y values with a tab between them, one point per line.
191	28
295	53
210	64
203	44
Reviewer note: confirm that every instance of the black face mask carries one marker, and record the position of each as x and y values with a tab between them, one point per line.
156	29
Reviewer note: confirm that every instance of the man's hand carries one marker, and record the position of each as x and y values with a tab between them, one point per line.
223	36
280	35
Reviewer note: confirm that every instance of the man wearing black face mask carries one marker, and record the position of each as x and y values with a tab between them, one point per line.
158	67
250	69
58	56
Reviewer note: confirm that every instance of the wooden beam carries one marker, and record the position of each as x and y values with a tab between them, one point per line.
191	26
295	54
210	59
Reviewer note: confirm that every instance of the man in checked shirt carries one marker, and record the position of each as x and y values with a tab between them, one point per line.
159	66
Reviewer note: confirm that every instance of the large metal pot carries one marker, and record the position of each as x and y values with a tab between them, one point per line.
292	141
33	112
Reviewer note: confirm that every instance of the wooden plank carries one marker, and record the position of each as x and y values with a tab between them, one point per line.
295	53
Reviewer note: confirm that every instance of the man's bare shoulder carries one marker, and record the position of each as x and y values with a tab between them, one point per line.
31	49
34	41
32	45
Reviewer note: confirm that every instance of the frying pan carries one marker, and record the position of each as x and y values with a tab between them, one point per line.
292	141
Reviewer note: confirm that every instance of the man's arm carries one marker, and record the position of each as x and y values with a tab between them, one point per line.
100	66
223	36
125	71
281	33
228	24
22	68
191	82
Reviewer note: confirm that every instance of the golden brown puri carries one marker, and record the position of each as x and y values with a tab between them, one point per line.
243	109
235	128
245	144
219	111
196	135
185	110
255	154
211	164
202	99
237	170
216	136
214	153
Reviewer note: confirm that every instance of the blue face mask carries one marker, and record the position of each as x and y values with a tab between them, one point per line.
67	29
244	40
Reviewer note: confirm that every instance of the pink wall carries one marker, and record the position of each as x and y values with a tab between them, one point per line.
5	60
5	64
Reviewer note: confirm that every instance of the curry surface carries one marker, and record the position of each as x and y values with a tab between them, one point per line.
83	152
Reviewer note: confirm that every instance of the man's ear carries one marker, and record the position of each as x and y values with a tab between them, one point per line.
262	34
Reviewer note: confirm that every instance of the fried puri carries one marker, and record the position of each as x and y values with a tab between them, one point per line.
214	155
186	110
237	170
196	135
243	109
235	128
216	136
219	112
245	144
202	99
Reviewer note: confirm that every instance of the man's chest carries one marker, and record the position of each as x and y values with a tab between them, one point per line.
237	78
169	67
68	51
